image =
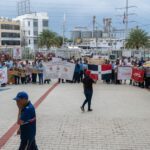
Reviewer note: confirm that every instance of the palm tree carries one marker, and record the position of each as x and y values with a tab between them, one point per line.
48	39
138	38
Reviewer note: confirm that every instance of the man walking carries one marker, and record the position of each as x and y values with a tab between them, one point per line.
88	90
27	122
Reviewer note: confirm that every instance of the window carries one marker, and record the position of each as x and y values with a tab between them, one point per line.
10	27
10	35
35	23
5	42
110	44
35	33
28	23
16	27
28	32
29	42
35	42
45	23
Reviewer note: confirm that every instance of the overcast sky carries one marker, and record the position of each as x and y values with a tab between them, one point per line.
80	12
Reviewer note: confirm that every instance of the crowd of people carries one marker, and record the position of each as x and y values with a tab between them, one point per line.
24	72
129	62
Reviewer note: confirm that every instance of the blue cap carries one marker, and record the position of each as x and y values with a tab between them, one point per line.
21	95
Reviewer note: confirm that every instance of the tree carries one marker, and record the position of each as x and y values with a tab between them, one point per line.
138	38
48	39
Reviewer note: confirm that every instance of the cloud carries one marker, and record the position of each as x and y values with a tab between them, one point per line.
80	12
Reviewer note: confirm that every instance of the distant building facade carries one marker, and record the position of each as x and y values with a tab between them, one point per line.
85	38
31	26
10	34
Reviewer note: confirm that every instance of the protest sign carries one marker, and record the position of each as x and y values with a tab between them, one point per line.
61	69
3	75
51	70
11	79
124	73
67	70
95	61
138	75
17	53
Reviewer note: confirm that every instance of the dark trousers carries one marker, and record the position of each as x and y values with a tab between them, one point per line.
17	79
23	80
81	76
28	145
77	77
88	94
147	82
34	77
61	80
47	81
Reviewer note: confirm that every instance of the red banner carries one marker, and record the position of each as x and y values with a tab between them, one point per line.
138	75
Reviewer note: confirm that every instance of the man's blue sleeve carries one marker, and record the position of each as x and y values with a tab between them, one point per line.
25	115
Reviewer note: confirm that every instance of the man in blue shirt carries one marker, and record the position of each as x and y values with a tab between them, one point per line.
27	122
76	77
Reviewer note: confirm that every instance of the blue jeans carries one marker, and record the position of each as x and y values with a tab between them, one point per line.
88	94
40	78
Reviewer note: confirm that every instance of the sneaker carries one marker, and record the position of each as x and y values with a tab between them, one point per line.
82	109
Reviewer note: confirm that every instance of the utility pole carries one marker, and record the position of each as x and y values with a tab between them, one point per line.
64	28
96	37
126	19
94	22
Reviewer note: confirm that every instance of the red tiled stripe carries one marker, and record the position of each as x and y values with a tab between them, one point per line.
4	139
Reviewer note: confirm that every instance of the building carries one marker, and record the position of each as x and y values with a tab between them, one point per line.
31	26
9	34
103	40
104	44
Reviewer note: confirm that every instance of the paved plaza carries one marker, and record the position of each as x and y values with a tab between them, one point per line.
120	120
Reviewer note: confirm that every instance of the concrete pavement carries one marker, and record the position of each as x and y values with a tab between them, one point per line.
120	120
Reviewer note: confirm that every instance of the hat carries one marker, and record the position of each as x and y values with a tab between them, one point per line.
87	72
21	95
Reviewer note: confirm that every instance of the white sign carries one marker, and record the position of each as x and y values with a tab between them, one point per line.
67	70
55	70
124	73
3	75
17	53
51	70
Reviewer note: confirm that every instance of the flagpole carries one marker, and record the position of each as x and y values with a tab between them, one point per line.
126	22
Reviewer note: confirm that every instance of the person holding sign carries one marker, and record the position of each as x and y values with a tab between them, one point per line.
88	90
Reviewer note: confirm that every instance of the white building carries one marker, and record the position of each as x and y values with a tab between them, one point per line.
103	43
31	26
108	44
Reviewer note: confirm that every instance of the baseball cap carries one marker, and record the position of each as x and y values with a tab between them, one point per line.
21	95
